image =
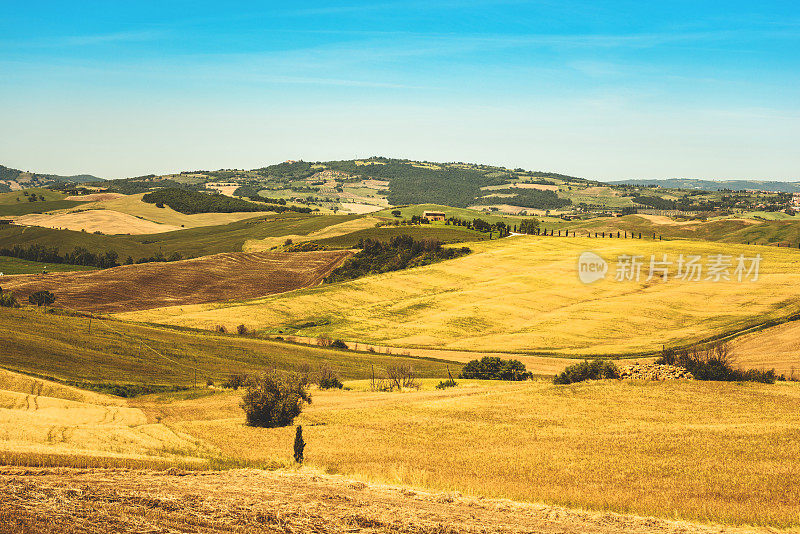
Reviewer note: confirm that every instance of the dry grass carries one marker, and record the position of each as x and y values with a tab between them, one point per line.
46	424
85	501
776	348
105	221
133	205
714	452
335	230
522	294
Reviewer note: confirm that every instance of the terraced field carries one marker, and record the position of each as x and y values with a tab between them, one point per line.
220	277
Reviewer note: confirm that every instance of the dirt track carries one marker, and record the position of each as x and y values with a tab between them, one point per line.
107	500
220	277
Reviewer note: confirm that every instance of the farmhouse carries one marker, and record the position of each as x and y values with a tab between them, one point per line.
433	215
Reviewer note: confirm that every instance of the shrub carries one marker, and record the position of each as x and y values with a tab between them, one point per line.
494	368
586	370
42	298
8	300
242	330
339	344
209	381
220	329
444	384
401	376
328	379
274	400
235	381
713	362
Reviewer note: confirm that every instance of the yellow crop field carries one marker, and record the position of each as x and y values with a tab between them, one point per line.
133	205
42	422
776	348
334	230
522	294
707	451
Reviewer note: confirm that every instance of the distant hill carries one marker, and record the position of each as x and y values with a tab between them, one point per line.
716	185
26	179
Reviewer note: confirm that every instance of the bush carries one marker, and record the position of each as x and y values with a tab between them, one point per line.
586	370
444	384
235	381
8	300
494	368
42	298
328	379
274	400
339	344
242	330
713	362
401	376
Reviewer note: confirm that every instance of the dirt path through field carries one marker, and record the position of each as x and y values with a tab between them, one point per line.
539	365
109	500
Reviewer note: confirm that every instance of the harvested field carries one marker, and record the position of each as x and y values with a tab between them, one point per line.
95	197
776	348
334	230
106	500
215	278
105	221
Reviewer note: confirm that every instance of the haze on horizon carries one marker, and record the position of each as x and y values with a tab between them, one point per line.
621	90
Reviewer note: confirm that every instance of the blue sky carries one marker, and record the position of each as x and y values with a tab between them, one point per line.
608	90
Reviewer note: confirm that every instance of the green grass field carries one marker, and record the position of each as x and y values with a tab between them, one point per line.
65	348
199	241
53	200
17	266
522	294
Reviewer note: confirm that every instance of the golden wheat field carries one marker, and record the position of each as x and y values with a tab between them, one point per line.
713	452
522	294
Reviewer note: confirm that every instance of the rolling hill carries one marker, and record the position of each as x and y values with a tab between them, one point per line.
521	294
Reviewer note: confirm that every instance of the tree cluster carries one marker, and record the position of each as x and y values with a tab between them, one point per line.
494	368
191	202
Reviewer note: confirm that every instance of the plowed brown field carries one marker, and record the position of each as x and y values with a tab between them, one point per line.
220	277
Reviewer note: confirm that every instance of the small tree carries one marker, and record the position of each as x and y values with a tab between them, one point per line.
242	330
299	445
328	379
42	298
274	399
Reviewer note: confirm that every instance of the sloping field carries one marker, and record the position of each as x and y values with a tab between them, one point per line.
235	275
718	452
334	230
95	350
42	418
522	294
776	348
45	500
199	241
104	221
733	230
11	265
133	205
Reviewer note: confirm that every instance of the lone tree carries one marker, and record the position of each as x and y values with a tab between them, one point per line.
42	298
274	399
299	445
